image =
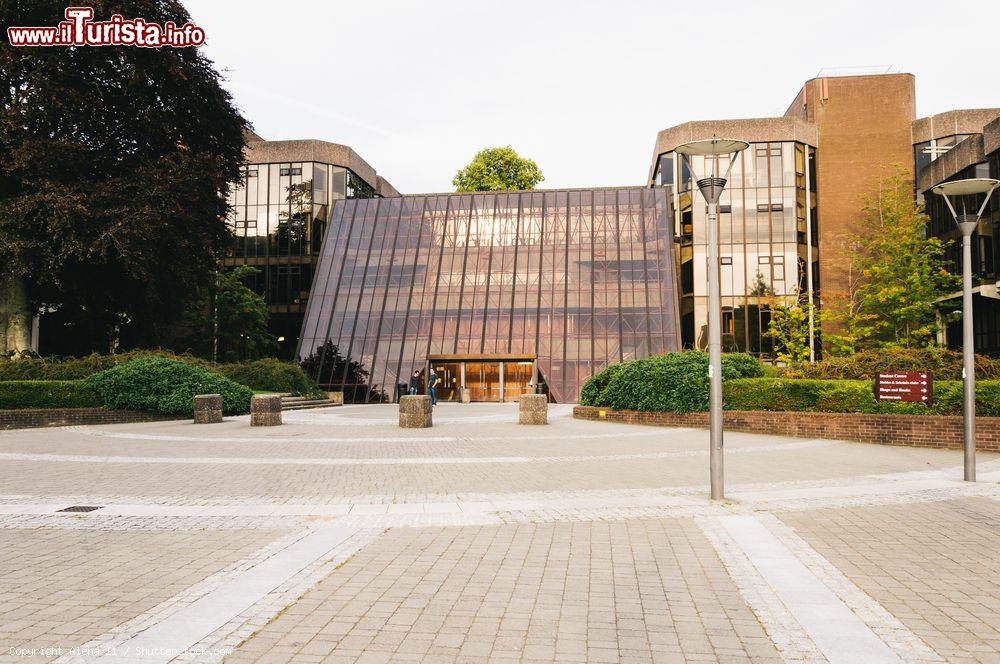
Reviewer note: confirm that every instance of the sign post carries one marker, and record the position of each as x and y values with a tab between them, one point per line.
914	386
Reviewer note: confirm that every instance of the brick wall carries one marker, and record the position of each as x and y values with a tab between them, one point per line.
940	431
30	418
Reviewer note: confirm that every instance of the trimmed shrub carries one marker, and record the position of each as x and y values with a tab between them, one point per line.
675	382
590	393
741	365
167	386
39	368
943	365
48	394
851	396
771	394
269	375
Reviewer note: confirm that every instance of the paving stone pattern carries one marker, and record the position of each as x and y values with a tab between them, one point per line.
339	536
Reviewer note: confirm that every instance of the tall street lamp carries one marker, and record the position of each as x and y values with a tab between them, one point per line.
711	186
967	223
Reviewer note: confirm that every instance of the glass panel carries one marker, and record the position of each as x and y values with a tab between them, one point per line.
516	380
579	279
449	376
483	380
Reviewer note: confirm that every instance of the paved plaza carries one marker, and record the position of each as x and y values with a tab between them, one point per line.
339	537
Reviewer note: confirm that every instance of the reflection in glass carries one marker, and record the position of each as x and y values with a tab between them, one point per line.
577	279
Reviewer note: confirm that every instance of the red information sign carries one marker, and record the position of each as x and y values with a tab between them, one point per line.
904	386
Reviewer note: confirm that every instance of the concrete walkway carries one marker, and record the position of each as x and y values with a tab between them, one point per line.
339	537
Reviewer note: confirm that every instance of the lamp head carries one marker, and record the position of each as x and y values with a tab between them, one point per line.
966	187
712	146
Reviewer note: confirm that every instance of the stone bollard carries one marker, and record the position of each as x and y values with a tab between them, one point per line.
265	410
415	412
466	395
208	409
336	397
533	409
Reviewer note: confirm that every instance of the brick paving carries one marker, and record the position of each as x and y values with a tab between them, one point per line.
636	591
62	588
479	540
935	566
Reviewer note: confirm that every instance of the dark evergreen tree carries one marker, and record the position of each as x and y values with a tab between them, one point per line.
113	178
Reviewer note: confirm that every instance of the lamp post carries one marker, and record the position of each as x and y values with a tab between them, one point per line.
711	186
967	223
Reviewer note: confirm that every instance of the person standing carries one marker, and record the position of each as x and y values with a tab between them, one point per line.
432	381
414	383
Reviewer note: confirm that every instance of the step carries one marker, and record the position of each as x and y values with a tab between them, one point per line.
301	402
305	405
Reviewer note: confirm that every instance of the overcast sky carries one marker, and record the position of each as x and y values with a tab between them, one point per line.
582	87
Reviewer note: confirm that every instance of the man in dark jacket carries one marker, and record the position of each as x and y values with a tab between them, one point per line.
432	381
414	383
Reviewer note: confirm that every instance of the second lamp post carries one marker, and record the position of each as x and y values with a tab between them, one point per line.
711	186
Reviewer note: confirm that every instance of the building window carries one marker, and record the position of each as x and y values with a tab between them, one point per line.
290	171
763	207
777	207
252	173
727	260
665	170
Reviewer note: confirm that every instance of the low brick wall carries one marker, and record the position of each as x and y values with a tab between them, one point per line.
940	431
30	418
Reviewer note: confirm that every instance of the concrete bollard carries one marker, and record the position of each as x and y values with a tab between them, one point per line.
265	410
533	409
415	412
208	408
466	395
336	397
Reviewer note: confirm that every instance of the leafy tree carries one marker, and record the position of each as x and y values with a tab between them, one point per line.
231	323
789	328
498	169
116	162
895	275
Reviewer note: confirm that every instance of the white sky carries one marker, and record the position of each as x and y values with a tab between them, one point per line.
417	87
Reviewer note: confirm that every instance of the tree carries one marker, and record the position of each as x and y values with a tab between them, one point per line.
498	169
230	322
895	276
789	328
116	163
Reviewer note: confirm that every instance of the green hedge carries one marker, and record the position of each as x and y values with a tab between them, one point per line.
675	382
165	385
678	382
48	394
850	396
943	364
268	375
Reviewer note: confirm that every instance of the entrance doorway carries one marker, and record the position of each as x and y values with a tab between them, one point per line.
489	378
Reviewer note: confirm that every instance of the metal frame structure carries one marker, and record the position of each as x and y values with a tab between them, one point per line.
967	223
711	187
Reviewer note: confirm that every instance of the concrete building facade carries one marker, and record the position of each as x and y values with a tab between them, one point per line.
853	131
975	155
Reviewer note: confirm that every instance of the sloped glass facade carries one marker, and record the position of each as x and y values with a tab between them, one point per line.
568	280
